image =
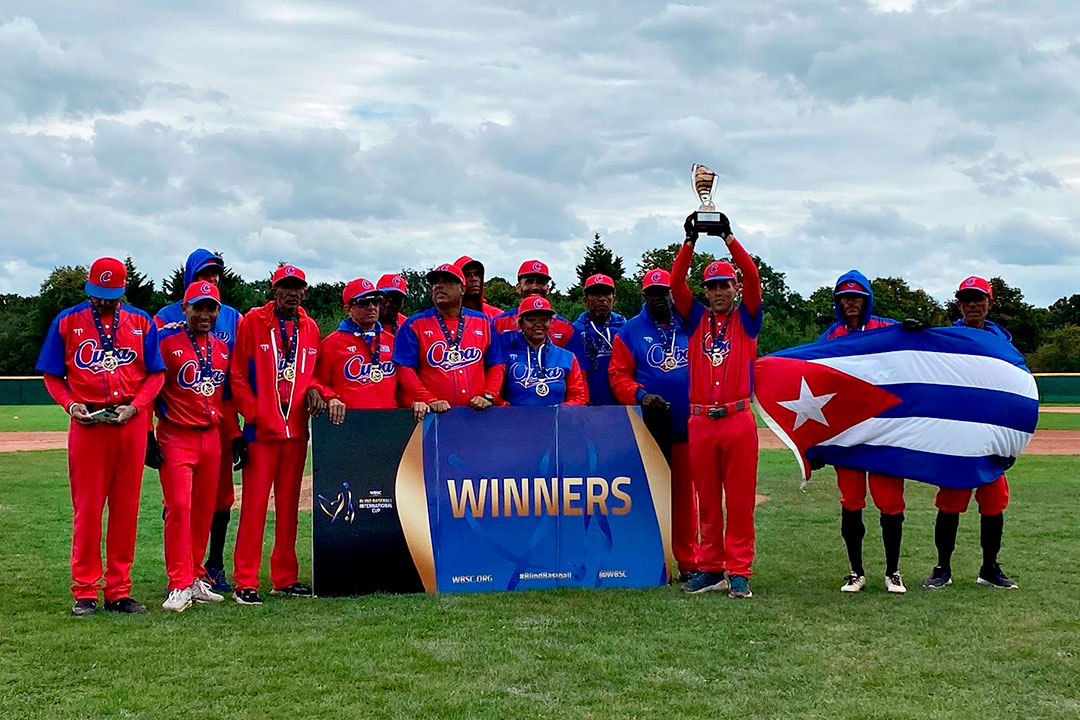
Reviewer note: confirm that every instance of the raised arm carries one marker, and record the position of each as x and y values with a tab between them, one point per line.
751	278
680	289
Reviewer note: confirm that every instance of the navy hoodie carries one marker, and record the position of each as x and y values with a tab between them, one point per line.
228	317
869	321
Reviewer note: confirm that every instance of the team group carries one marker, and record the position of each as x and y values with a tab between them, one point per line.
199	367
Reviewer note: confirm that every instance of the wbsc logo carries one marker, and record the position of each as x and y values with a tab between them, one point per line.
88	356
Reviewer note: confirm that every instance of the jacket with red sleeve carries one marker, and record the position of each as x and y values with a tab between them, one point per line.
182	401
427	370
348	370
561	332
545	376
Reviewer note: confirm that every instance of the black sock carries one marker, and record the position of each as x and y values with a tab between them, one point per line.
892	533
852	530
991	528
945	537
216	550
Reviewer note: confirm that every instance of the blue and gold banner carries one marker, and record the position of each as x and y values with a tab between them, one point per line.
507	499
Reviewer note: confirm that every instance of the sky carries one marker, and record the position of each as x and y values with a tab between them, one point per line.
928	140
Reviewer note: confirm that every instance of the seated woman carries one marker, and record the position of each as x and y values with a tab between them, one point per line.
531	370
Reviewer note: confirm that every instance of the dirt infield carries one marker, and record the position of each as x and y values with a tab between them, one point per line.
18	441
1065	409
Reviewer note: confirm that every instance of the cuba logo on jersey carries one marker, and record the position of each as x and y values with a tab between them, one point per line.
359	371
656	357
88	356
719	352
189	377
519	373
439	355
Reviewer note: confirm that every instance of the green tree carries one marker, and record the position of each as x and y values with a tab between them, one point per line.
419	290
1064	311
664	257
140	290
1059	351
600	259
894	298
19	342
500	293
65	286
173	286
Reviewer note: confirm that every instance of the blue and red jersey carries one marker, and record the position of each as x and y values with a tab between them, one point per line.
867	320
437	364
228	317
182	400
640	365
74	352
357	367
561	332
536	377
592	345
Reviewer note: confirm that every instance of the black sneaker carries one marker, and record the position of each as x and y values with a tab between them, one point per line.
685	576
703	581
297	589
82	608
215	577
992	576
126	605
247	596
939	578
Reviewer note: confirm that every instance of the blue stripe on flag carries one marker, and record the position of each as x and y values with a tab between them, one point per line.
948	402
960	473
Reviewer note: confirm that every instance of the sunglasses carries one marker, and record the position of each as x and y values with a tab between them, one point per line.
364	302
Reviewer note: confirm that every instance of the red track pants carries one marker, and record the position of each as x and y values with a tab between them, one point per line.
277	464
105	464
887	491
685	527
225	496
992	498
189	480
723	460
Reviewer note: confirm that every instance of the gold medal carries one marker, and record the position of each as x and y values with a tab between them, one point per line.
289	373
670	363
109	362
542	388
717	359
453	356
207	388
376	375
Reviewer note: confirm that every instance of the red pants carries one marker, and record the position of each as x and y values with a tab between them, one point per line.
277	464
684	509
887	491
225	496
723	460
189	479
105	464
992	498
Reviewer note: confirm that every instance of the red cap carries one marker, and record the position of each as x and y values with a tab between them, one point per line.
533	267
718	270
446	269
976	283
358	288
658	277
850	287
106	279
392	283
599	279
201	290
533	304
464	260
288	271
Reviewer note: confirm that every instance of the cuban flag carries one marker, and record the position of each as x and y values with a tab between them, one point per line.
951	406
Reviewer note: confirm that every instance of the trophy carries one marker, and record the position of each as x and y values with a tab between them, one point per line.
707	219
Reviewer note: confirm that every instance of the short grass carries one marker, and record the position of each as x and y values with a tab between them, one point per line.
797	650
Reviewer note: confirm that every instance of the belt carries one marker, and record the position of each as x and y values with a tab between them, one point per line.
715	412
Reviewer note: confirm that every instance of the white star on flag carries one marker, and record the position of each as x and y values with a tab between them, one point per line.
808	406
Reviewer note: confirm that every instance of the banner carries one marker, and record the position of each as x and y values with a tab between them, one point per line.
506	499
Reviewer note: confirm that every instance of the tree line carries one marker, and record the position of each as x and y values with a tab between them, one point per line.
1049	337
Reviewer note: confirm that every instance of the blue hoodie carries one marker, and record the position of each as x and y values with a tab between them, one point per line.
991	327
869	320
228	317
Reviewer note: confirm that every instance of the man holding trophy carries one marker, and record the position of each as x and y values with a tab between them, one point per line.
722	431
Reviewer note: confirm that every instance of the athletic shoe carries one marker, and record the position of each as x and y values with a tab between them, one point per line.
685	576
939	578
125	605
853	583
740	587
84	607
894	584
247	596
201	592
178	600
992	576
217	580
297	589
703	581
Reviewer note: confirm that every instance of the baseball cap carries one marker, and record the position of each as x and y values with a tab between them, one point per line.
212	261
464	260
599	280
976	283
392	283
533	267
288	271
535	304
658	277
201	290
446	269
850	287
358	288
107	279
718	270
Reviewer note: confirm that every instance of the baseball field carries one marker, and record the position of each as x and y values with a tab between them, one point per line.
797	650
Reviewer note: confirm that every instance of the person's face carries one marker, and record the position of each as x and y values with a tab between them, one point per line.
289	293
390	306
103	306
974	306
201	316
474	278
364	311
599	303
851	306
534	326
657	300
446	290
210	274
721	294
528	285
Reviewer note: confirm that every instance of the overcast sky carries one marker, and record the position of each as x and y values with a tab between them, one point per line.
930	140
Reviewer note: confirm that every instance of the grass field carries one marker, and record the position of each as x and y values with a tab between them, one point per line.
797	650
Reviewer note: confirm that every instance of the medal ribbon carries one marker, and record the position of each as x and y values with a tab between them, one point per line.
374	347
106	340
542	377
288	346
451	341
717	339
206	366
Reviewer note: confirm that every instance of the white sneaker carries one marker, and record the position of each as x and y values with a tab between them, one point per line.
201	592
853	583
894	584
178	600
